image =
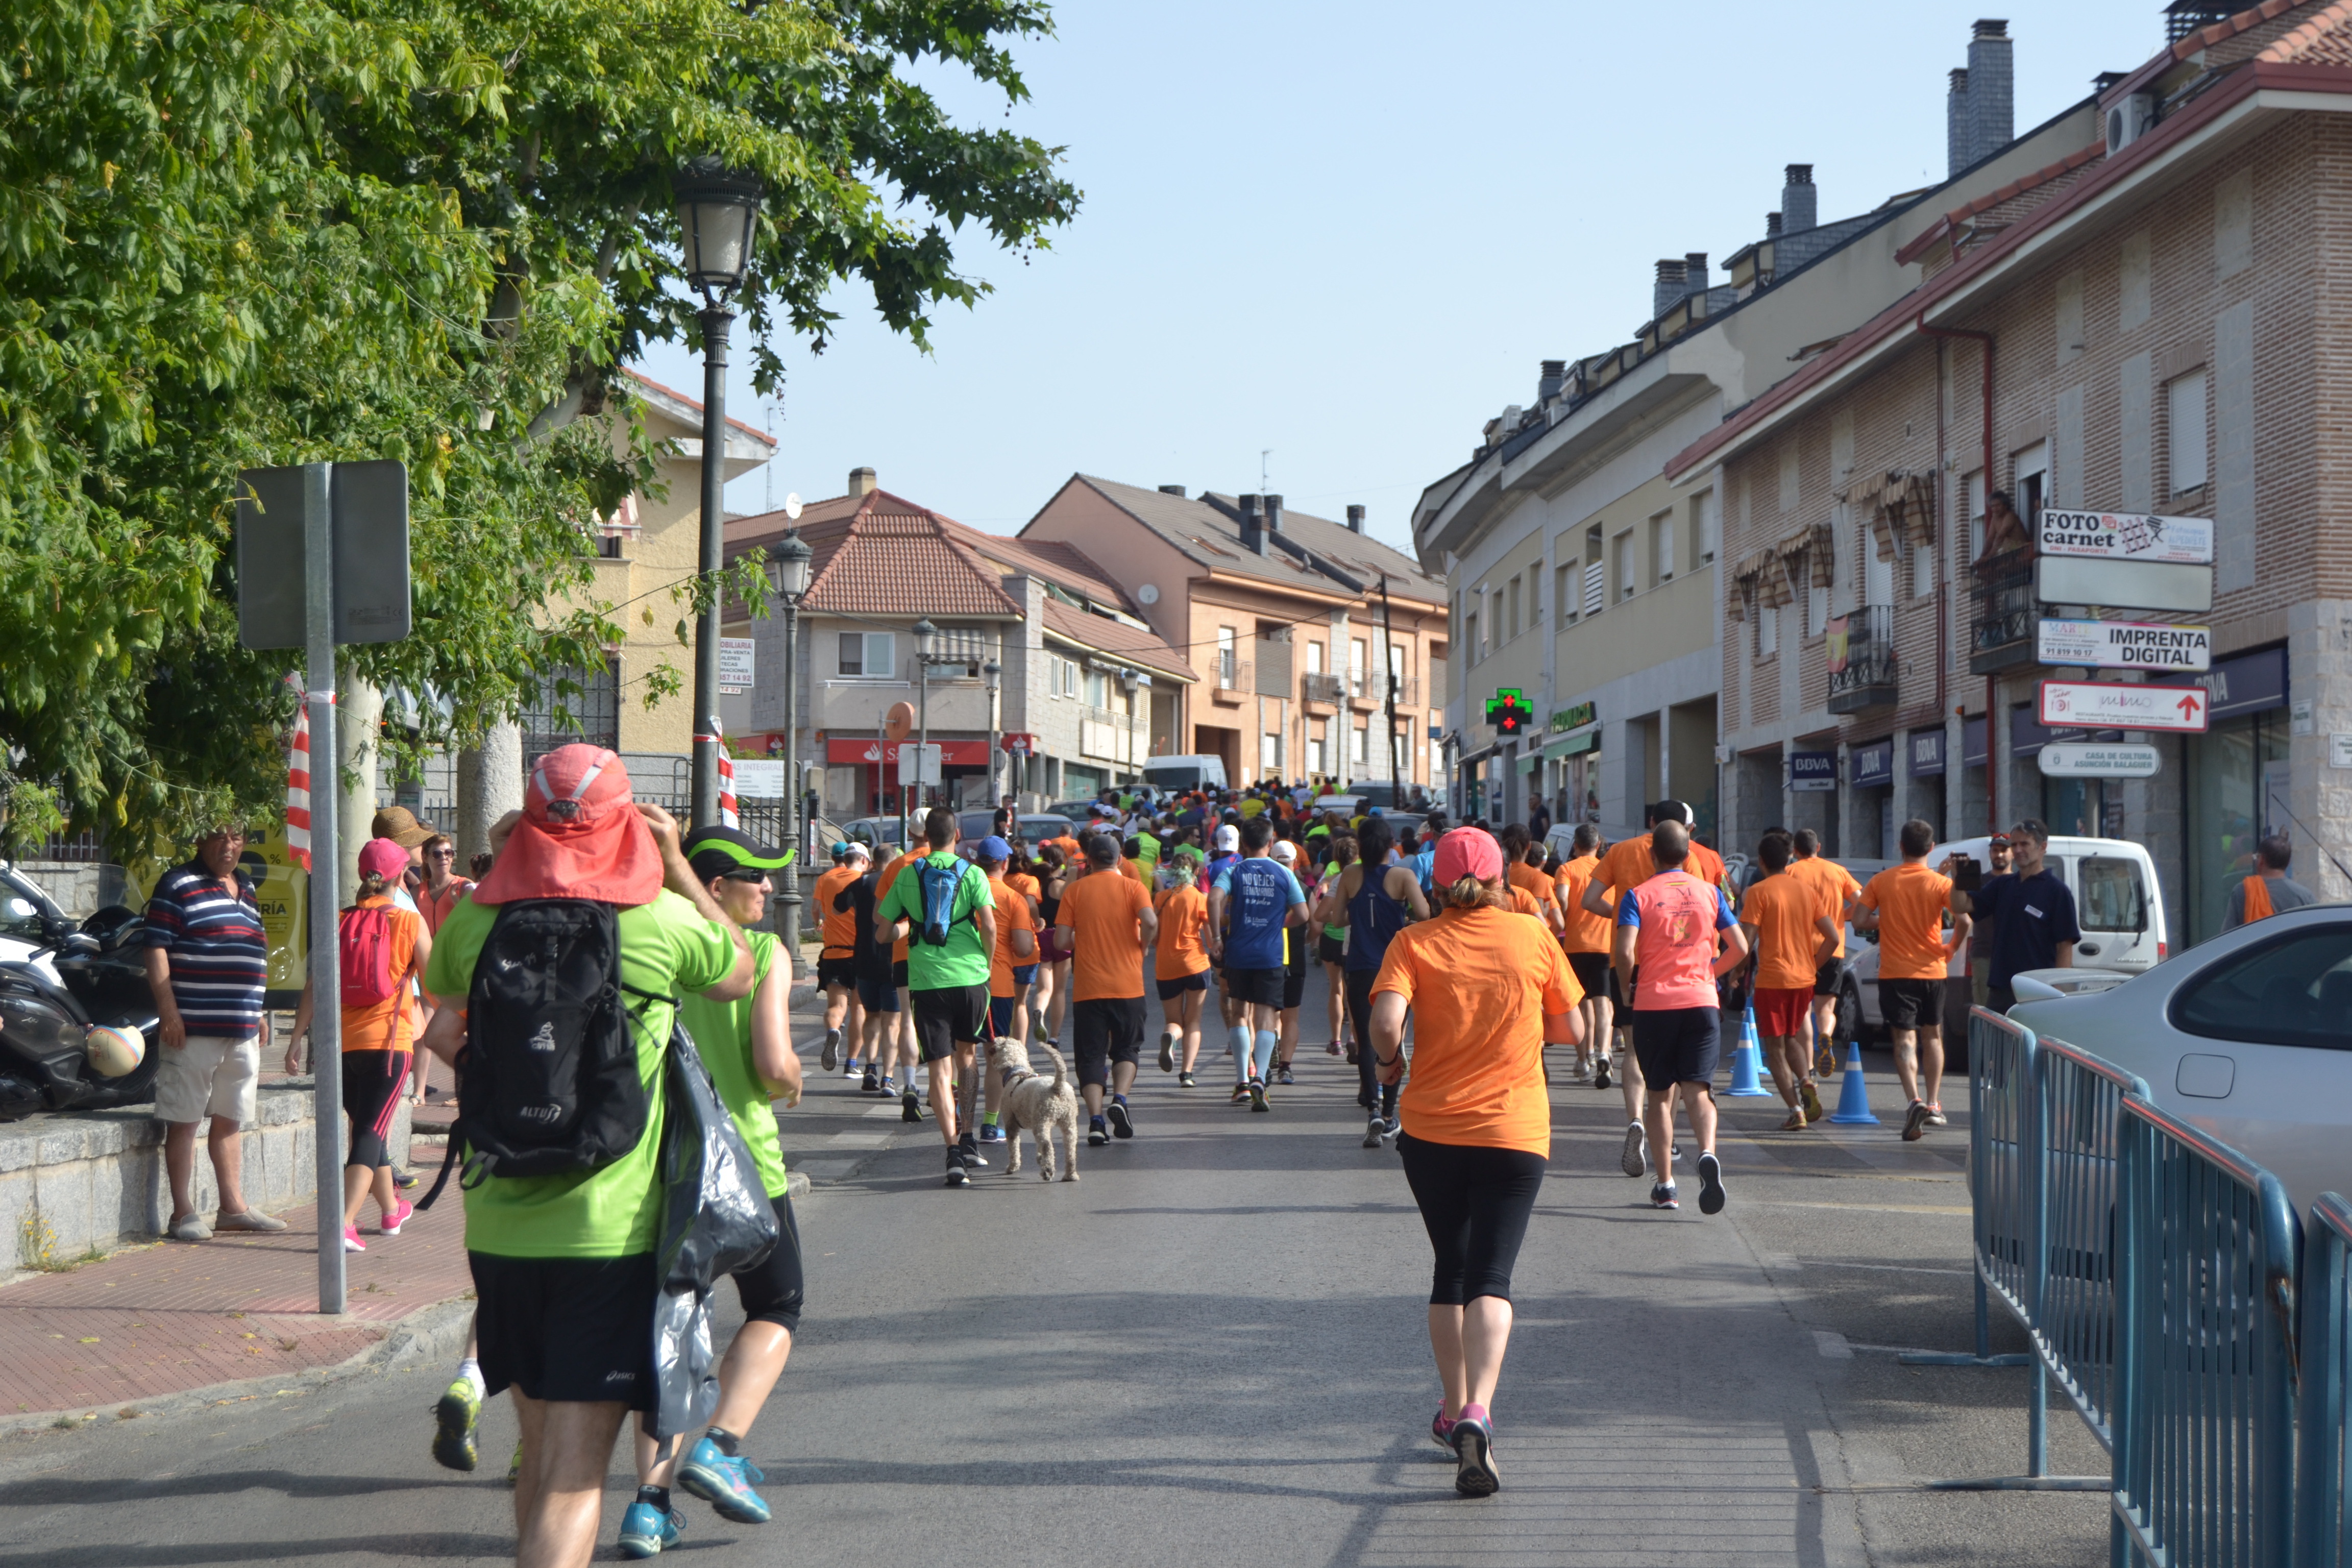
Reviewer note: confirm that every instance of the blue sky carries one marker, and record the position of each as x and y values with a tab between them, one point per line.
1348	233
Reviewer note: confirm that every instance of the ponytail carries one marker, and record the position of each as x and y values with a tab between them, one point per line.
373	884
1470	893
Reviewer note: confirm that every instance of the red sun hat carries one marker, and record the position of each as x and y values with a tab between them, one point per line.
1467	852
579	836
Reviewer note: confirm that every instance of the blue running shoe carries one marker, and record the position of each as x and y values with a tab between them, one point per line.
647	1531
724	1481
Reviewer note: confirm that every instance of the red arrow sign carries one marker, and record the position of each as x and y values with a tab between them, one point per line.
2189	706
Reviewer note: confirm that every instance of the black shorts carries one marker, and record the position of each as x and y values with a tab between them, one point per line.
876	995
1329	949
771	1292
573	1329
1294	981
949	1017
1911	1004
1677	1044
1261	987
1591	972
1106	1029
1826	978
898	974
1171	989
833	971
1476	1202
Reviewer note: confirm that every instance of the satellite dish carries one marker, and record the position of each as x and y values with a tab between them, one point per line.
1147	594
899	722
792	507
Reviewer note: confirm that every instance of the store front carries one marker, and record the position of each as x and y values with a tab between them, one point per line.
1572	766
2234	784
2087	808
1870	773
869	768
1975	758
1924	758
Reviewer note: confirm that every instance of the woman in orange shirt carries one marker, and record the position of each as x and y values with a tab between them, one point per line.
1492	989
1181	967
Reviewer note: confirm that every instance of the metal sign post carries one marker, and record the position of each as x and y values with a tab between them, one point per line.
326	856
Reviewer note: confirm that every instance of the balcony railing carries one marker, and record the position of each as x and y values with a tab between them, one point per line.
1862	663
2001	623
1234	678
1320	686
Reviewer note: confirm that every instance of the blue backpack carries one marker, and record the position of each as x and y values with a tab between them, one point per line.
940	884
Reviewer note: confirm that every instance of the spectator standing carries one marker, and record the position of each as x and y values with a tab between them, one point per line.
2026	917
207	964
1980	934
2267	890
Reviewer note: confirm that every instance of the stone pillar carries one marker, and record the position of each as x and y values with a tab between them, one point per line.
359	712
489	785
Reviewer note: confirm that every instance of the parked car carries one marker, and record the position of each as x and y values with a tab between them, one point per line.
1172	774
1036	826
2247	1036
1072	810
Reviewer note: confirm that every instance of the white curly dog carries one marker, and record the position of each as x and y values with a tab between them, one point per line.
1038	1106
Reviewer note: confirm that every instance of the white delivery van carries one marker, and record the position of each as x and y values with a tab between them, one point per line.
1169	775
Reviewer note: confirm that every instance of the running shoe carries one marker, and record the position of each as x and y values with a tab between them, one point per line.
645	1530
1186	1081
1167	1053
832	1058
1122	1125
351	1242
968	1146
910	1105
888	1088
1811	1098
1824	1062
1473	1441
1710	1185
1332	1048
865	1076
1282	1074
990	1133
390	1224
1257	1095
1661	1196
1368	1099
514	1465
1601	1073
403	1180
724	1481
1441	1429
957	1175
454	1416
1097	1132
1580	1073
1375	1131
1797	1121
1241	1092
1935	1117
1629	1161
1915	1122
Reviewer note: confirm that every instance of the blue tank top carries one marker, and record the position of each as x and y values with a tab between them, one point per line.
1259	893
1373	918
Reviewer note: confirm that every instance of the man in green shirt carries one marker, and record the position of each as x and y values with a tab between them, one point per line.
563	1267
947	984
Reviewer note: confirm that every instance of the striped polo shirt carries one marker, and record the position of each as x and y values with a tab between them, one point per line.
220	956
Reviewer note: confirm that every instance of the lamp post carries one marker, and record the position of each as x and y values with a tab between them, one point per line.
718	212
993	674
926	637
792	558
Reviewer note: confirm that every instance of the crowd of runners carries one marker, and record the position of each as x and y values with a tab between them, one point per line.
1454	957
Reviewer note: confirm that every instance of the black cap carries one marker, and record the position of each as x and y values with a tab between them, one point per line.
715	851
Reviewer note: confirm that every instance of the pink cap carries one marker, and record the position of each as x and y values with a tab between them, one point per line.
1467	852
383	857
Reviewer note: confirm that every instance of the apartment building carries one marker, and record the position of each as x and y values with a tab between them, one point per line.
2144	324
1584	574
1290	618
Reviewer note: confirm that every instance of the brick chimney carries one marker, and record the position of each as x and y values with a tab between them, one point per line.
1355	519
1694	272
1799	203
1960	127
861	481
1992	115
1253	528
1668	290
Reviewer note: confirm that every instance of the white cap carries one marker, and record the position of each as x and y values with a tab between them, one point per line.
1284	850
858	851
1228	837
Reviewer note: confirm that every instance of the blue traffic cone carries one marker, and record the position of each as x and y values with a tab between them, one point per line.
1748	1061
1854	1099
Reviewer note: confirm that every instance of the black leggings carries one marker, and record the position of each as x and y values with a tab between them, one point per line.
771	1292
371	1087
1359	1018
1476	1201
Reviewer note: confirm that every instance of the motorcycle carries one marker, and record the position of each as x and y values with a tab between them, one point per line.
57	983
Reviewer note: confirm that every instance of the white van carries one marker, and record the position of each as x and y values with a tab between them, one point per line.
1173	774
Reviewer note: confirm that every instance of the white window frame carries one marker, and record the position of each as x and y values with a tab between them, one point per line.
2186	453
1661	546
870	667
1768	630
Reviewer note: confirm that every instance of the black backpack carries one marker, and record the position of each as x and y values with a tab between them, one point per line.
548	1081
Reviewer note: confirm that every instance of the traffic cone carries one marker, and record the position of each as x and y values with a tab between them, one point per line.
1748	1061
1854	1099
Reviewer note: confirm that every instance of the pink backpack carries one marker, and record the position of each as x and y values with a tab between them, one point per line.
366	945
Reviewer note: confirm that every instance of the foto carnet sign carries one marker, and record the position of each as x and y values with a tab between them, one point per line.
2125	645
2129	536
2098	705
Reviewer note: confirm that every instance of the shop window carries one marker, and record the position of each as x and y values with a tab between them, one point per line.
2296	990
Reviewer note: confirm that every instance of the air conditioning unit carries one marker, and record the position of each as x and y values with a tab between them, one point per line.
2129	119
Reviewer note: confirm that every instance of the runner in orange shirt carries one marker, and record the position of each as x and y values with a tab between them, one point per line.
1111	923
1838	890
1010	971
837	962
1789	939
1180	966
1906	905
1526	873
898	1029
1585	940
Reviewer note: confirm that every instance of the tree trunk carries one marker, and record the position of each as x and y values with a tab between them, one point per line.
489	785
359	713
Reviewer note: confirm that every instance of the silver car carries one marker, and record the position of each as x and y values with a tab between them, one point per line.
2247	1036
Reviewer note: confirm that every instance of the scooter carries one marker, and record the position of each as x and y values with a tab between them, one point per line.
52	993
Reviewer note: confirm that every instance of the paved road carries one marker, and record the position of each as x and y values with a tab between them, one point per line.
1210	1350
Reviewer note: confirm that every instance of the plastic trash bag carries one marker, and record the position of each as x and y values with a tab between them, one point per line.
715	1219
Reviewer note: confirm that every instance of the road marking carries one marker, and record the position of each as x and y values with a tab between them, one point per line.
1894	1269
1865	1208
858	1139
1832	1345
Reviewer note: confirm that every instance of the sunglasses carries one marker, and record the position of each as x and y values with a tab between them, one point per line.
751	874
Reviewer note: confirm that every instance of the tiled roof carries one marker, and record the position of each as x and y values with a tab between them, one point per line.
1102	633
1210	539
1949	225
877	554
1065	566
2221	33
2325	39
762	436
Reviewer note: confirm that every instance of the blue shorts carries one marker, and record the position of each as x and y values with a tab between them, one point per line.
1000	1013
1024	974
877	996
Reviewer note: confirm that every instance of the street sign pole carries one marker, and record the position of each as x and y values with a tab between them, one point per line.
326	764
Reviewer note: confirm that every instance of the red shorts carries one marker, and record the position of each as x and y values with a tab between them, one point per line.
1781	1014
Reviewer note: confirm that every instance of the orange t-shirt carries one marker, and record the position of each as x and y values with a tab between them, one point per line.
388	1025
1910	900
1525	903
1628	865
1069	849
1107	951
1835	885
840	925
889	880
1531	880
1130	870
1783	908
1481	983
1183	910
1026	885
1587	932
1012	914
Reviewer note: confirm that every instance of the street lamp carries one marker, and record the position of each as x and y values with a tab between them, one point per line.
792	558
718	212
992	675
926	637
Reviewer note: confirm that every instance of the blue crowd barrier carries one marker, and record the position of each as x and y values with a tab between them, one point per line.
2204	1382
2323	1530
2073	1292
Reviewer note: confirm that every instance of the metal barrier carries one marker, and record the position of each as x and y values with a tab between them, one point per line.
2323	1529
2073	1323
2205	1361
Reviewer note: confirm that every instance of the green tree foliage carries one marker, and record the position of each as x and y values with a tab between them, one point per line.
234	233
